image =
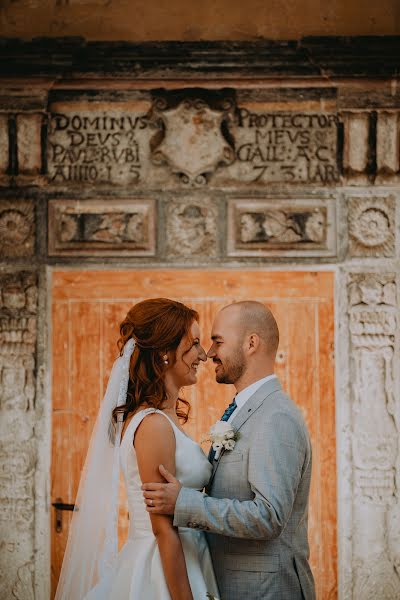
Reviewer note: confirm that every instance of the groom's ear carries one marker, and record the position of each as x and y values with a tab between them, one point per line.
253	343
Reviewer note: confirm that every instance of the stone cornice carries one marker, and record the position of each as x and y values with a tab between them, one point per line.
319	59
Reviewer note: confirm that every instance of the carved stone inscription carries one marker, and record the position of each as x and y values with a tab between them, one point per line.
285	147
98	144
144	143
129	144
98	227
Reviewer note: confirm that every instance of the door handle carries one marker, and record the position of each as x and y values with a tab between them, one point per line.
59	505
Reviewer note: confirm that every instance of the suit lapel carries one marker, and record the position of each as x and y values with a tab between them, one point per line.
271	386
247	411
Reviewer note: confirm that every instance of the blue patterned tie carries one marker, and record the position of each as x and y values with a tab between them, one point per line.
228	411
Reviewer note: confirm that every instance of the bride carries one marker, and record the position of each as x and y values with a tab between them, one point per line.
137	429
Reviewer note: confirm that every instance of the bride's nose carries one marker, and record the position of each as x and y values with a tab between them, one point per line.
202	354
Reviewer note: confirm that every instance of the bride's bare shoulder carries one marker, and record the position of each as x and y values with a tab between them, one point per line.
154	444
136	413
155	428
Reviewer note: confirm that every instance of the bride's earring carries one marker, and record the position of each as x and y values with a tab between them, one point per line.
165	359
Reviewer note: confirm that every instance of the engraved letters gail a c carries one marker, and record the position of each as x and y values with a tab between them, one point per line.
287	147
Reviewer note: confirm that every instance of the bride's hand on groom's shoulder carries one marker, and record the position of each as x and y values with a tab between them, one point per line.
160	498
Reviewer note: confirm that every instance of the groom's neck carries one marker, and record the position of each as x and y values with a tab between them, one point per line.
252	374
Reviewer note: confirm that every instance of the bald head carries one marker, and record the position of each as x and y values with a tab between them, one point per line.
255	317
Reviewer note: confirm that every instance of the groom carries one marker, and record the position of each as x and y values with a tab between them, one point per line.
255	507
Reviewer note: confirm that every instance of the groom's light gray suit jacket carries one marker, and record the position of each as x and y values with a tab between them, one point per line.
256	506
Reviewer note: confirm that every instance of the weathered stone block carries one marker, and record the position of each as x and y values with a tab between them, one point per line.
387	144
117	227
281	227
99	143
4	144
17	228
191	228
29	143
371	226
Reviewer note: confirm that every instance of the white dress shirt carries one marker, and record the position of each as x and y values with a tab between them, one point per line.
242	397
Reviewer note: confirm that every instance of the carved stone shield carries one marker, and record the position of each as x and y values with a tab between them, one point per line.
193	144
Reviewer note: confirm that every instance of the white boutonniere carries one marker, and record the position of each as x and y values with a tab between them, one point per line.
222	436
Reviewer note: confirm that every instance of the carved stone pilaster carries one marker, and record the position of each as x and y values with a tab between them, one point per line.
4	143
29	143
18	315
375	425
23	587
388	147
356	146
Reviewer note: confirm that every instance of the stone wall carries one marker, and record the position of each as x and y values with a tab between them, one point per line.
132	172
206	20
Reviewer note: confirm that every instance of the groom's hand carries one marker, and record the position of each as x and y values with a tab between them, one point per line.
160	498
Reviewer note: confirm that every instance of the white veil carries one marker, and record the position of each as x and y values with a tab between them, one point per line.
93	536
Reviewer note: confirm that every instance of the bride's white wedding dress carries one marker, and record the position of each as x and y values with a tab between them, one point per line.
138	572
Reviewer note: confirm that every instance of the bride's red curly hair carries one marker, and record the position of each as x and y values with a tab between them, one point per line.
157	326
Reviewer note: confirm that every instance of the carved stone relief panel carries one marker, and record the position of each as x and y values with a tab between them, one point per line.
117	227
18	314
371	226
191	228
17	222
192	142
96	143
281	227
375	434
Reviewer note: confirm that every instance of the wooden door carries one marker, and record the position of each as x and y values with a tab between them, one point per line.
87	309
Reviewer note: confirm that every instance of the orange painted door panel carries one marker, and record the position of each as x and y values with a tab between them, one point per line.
87	309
